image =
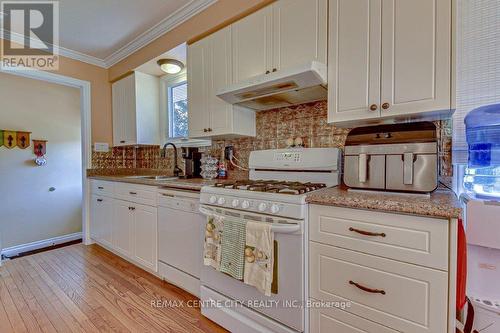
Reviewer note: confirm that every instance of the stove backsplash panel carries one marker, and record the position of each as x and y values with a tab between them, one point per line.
274	127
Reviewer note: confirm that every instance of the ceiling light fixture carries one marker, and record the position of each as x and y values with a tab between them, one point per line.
170	66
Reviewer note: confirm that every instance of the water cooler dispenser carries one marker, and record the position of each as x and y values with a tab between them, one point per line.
482	184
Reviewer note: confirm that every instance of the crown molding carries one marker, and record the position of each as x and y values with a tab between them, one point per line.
19	38
178	17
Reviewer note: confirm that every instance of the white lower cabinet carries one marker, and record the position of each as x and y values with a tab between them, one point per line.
331	320
101	216
144	236
127	227
357	258
123	227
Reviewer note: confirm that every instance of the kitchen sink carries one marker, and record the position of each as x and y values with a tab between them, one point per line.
153	177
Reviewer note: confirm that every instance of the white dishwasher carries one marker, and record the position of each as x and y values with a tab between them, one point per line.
180	238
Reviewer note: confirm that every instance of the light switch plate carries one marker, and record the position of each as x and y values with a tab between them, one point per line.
101	147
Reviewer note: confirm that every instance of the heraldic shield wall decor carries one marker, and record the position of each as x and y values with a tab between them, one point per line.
11	139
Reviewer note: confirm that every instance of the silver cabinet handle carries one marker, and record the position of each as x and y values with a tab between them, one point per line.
408	160
362	168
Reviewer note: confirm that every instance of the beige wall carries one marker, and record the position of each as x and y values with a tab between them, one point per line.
29	212
102	125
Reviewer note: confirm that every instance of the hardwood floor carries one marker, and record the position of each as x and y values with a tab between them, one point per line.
88	289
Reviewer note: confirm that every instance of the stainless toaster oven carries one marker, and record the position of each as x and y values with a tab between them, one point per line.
402	157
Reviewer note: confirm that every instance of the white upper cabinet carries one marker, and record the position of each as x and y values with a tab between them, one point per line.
285	34
354	66
220	77
299	32
210	69
252	45
198	113
389	60
136	110
416	56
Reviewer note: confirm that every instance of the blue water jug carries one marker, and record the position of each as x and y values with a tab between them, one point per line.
482	176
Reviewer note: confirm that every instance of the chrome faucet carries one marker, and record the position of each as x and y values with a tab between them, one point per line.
177	170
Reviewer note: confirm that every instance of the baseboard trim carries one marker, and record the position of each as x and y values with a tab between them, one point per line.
15	250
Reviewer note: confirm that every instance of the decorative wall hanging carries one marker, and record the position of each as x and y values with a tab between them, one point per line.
23	139
9	139
40	149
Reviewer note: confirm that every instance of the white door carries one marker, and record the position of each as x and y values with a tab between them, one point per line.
416	56
124	122
145	235
252	45
95	217
198	113
299	32
101	217
123	227
106	221
354	60
219	58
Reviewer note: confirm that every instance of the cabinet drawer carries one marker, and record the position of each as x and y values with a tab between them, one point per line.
412	239
405	297
327	320
102	187
141	194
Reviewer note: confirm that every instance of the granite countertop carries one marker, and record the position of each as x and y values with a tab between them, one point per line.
127	176
442	203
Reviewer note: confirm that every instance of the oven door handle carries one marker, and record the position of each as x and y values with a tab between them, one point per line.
277	228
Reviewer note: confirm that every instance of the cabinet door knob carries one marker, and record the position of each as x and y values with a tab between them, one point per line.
267	72
205	130
385	106
131	208
133	193
274	70
122	141
373	107
99	200
210	130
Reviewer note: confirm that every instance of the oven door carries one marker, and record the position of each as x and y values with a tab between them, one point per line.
287	298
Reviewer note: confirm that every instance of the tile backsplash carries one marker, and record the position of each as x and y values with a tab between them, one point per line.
274	127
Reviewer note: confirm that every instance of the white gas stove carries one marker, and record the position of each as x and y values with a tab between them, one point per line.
276	194
279	182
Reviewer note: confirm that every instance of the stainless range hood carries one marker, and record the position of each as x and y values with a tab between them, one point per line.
286	87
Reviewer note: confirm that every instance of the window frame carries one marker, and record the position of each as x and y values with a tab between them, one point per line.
167	82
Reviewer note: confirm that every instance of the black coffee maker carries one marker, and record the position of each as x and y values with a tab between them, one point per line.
192	160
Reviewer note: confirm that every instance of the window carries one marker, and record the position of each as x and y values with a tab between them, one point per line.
175	109
178	111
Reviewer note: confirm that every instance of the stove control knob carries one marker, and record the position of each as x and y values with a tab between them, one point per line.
245	204
221	201
275	208
235	203
213	199
262	206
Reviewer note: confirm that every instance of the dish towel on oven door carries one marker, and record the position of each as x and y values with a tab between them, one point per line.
233	248
259	256
213	236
